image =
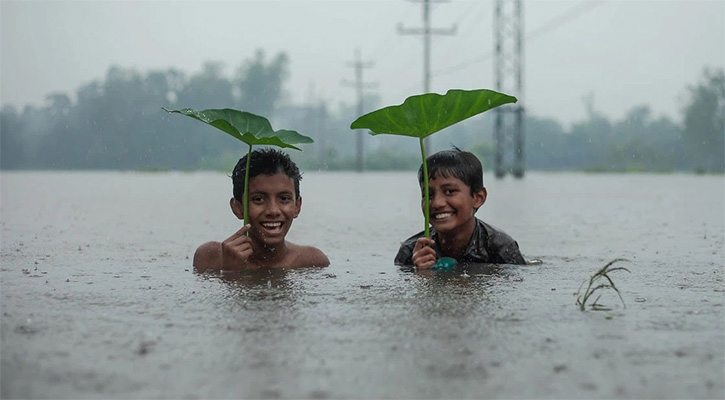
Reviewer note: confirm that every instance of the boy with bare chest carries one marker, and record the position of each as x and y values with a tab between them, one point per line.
274	202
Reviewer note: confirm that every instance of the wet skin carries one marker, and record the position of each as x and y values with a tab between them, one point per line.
452	214
272	208
261	243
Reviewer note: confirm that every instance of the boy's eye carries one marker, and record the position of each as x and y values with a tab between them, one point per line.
450	191
285	199
257	199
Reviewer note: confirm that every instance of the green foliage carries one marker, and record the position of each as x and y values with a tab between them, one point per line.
247	127
208	88
12	146
423	115
704	122
219	162
484	150
638	142
113	123
389	159
599	281
260	84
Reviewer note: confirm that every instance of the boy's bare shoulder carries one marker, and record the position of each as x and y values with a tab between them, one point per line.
208	256
307	256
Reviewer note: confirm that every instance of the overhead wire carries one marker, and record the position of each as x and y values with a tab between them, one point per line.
560	20
550	25
388	45
461	21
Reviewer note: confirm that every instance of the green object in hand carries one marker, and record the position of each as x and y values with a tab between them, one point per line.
423	115
445	264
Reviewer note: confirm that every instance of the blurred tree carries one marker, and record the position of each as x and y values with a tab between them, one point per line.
640	143
117	123
546	146
485	150
704	122
260	85
12	148
59	104
588	140
207	89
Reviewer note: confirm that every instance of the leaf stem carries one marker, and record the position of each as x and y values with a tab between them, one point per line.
426	209
246	186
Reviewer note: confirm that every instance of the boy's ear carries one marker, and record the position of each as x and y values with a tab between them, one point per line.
479	197
237	208
298	206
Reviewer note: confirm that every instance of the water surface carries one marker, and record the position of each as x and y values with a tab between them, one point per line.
99	299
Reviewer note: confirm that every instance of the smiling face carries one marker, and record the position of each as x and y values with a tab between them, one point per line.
272	207
452	205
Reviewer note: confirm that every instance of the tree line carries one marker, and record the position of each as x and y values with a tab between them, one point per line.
117	123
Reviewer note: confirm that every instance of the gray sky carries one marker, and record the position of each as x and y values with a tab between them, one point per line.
626	53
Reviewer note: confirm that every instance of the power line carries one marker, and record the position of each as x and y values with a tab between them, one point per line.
565	17
467	15
552	24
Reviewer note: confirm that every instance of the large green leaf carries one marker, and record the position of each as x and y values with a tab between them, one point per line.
249	128
423	115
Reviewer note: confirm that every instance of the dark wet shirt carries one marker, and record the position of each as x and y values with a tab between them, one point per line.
488	245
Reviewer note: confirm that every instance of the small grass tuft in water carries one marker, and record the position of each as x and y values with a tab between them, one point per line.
600	280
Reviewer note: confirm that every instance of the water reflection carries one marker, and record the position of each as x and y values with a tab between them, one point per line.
262	284
466	270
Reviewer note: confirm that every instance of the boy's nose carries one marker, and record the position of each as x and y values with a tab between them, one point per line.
273	208
436	201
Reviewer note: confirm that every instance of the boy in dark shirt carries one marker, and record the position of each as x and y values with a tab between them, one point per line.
456	192
274	202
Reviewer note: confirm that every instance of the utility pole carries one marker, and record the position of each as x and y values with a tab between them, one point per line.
360	85
508	68
426	31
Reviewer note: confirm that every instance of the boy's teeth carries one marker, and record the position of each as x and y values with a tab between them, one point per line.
272	224
441	216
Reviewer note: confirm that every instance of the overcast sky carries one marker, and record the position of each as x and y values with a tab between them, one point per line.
625	53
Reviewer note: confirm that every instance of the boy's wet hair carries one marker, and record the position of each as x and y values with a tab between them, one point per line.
268	161
457	163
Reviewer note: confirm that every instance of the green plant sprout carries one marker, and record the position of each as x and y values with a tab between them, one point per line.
249	128
595	284
423	115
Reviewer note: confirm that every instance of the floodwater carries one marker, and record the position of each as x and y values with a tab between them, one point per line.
99	300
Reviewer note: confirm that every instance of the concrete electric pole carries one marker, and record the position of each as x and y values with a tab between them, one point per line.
360	85
426	31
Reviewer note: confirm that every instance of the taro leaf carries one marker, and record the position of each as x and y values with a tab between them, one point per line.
423	115
249	128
